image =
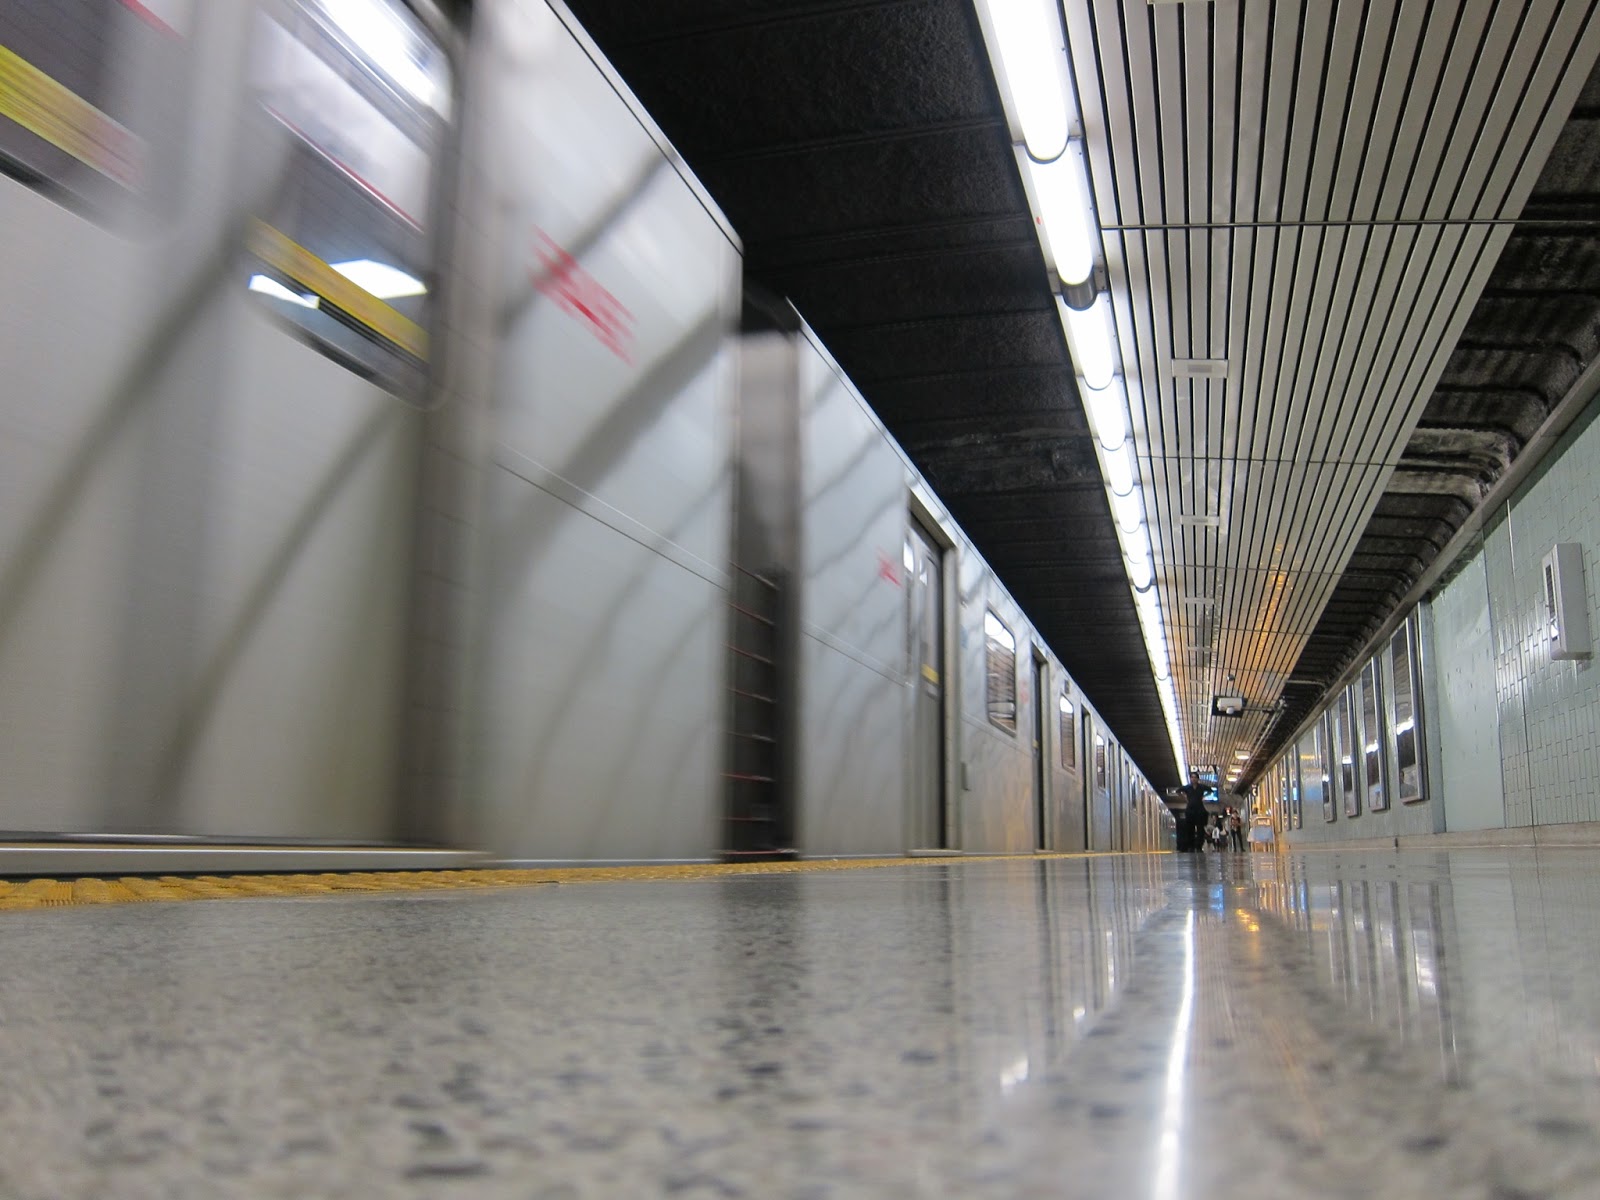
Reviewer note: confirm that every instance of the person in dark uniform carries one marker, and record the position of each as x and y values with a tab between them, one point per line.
1192	825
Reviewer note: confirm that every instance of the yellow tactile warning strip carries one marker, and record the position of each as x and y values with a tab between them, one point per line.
45	893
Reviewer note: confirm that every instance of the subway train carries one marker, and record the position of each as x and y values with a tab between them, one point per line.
392	457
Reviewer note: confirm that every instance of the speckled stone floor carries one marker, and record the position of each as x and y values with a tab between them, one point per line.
1373	1024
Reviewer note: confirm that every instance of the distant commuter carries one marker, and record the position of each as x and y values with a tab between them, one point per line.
1194	815
1236	829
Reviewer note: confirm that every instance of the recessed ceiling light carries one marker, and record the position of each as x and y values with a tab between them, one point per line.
1207	522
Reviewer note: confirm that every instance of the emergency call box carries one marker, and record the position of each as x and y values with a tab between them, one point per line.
1566	602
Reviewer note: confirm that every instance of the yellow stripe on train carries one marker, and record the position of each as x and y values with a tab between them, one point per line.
282	253
67	121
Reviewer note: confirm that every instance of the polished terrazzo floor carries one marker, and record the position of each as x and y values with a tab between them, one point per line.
1327	1024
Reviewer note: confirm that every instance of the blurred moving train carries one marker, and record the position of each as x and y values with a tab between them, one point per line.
390	457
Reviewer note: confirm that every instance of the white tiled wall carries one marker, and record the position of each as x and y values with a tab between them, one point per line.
1465	717
1548	709
1515	735
1546	712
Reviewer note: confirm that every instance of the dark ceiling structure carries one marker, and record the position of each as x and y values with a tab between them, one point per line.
862	153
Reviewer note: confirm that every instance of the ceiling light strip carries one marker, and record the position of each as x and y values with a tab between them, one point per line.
1027	48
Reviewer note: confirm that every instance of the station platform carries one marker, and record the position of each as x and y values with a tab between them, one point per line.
1335	1023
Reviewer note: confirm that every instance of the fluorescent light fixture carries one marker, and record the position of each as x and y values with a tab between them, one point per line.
375	30
1157	645
1033	59
1119	469
1129	510
1062	189
1137	549
1089	334
1148	605
1159	666
269	286
380	279
1243	755
1108	413
1141	574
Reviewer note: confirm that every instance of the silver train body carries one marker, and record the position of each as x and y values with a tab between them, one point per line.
382	451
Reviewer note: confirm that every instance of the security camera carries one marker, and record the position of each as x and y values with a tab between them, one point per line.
1227	706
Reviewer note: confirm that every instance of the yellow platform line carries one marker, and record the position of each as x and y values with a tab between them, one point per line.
131	889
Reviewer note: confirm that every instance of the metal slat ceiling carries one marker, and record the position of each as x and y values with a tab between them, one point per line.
1317	194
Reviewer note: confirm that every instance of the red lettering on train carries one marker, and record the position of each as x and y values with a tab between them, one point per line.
887	569
561	277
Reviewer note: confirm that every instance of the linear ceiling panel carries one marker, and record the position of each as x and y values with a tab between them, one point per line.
1308	198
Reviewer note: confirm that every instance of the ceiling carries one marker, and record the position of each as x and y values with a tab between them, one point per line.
1320	193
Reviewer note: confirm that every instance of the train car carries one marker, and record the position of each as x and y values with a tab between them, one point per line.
393	457
220	242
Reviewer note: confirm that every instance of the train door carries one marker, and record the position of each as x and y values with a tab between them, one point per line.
1100	793
1041	759
1086	779
925	597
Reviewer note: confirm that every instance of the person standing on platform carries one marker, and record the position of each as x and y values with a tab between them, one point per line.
1194	814
1236	829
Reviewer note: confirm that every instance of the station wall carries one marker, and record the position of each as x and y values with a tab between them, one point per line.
1512	736
1547	711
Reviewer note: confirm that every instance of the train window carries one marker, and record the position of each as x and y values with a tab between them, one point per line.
1000	652
1330	792
343	251
1403	691
1345	734
1291	790
1099	762
1313	771
1069	734
1372	739
92	98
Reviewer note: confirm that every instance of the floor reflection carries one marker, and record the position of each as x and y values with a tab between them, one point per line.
1120	1026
